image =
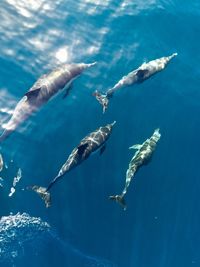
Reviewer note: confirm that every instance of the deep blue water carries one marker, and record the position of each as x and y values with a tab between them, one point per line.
160	227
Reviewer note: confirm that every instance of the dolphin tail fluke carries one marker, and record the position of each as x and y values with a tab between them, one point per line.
43	193
103	99
119	199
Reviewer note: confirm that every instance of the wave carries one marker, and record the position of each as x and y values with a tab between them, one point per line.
16	231
24	239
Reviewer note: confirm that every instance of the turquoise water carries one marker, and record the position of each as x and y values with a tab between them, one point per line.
160	227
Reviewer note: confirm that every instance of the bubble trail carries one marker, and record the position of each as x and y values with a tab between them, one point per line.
15	181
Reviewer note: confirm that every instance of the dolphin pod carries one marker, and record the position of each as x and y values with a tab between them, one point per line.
92	142
43	89
142	157
61	78
145	71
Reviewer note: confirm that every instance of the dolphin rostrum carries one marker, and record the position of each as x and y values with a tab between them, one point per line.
42	90
142	157
92	142
145	71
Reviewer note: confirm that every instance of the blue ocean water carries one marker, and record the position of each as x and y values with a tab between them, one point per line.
160	227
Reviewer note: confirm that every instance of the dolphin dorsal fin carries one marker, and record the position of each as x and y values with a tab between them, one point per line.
33	93
137	147
82	148
141	73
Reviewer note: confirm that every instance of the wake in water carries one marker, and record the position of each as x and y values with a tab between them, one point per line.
79	259
16	231
23	236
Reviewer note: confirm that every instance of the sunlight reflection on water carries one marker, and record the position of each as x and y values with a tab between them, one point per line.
49	45
41	42
56	44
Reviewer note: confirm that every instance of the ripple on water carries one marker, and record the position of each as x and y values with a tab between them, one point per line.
16	230
20	231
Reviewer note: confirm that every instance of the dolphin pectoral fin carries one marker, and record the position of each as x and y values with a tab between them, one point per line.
67	91
102	149
33	93
43	193
82	148
137	147
119	199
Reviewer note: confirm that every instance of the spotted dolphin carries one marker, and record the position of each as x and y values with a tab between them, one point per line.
145	71
142	157
88	145
40	93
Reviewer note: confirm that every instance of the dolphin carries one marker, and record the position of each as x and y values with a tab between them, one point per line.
88	145
41	91
142	157
145	71
1	163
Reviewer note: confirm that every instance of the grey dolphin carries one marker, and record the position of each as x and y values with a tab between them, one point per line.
92	142
142	157
40	93
145	71
1	163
